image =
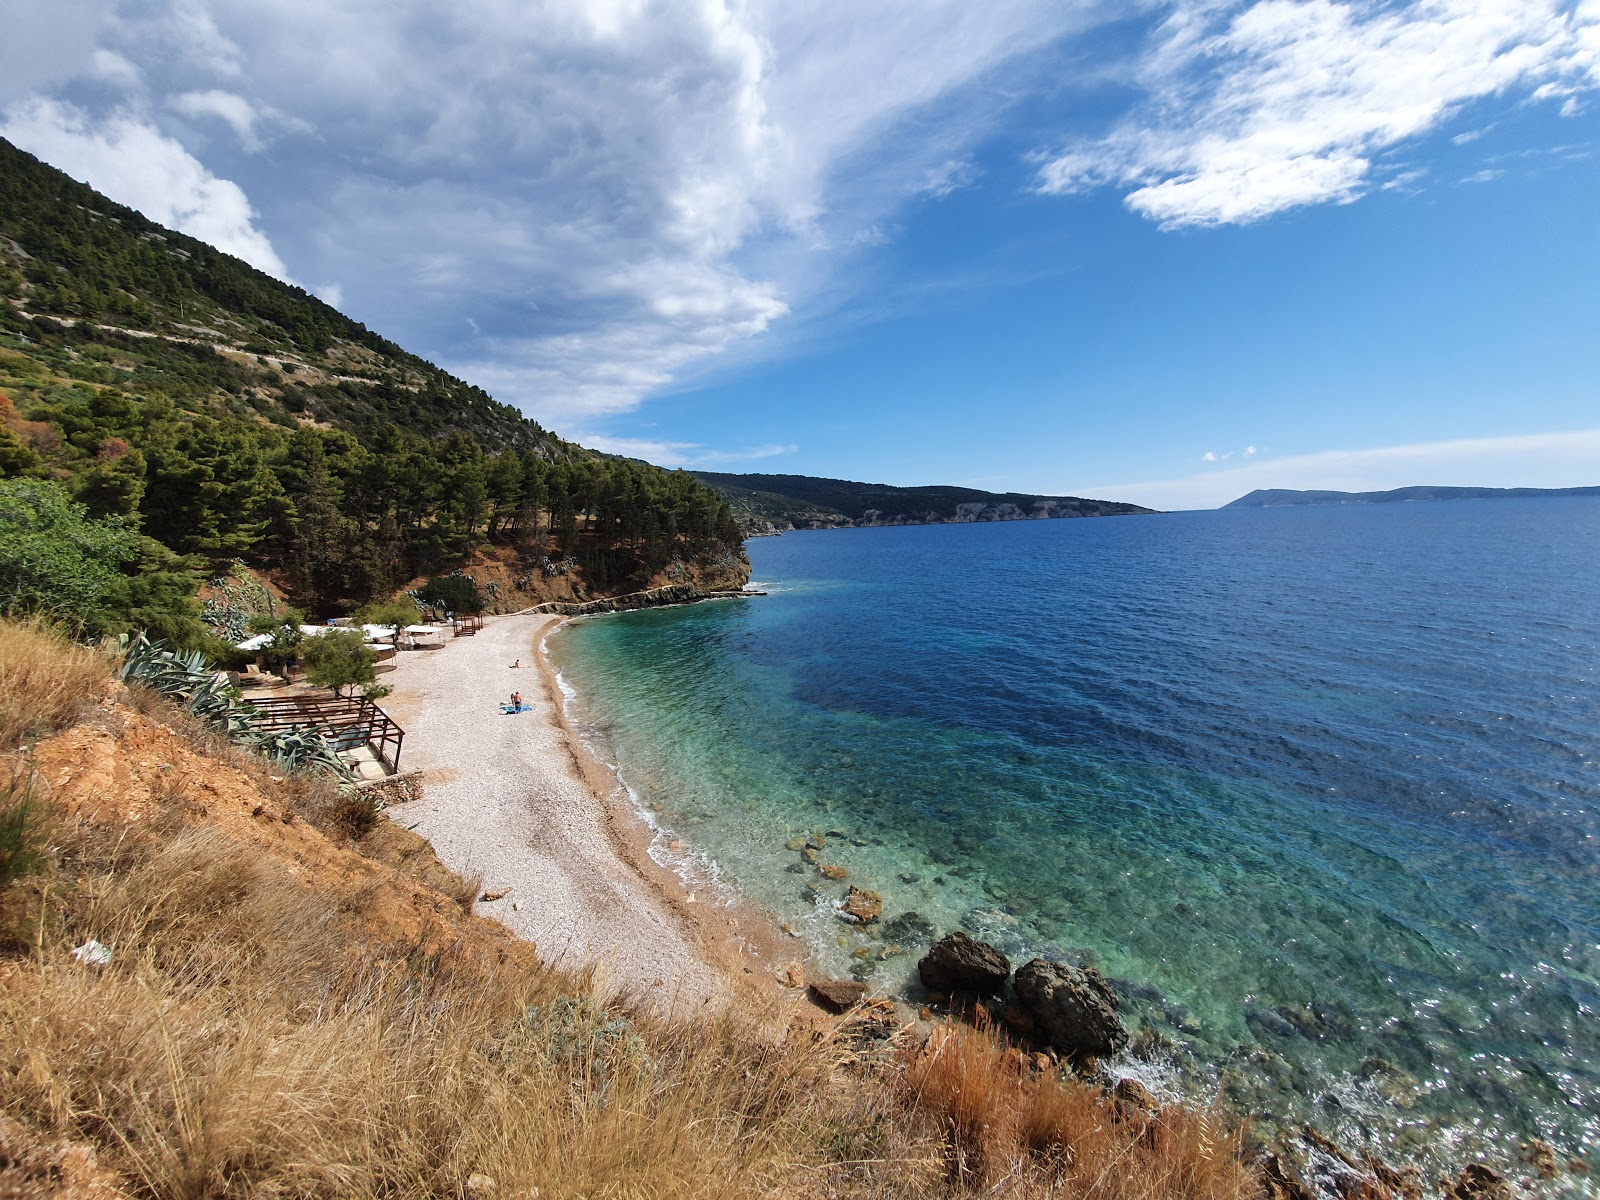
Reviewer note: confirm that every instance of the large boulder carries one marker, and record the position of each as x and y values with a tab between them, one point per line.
958	963
1073	1008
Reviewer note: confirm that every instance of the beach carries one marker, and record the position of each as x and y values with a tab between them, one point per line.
517	801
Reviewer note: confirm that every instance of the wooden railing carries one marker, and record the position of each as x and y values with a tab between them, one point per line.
349	722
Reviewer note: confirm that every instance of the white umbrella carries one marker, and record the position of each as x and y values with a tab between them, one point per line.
258	642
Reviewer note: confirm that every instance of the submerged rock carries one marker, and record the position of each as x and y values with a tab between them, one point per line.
862	906
909	927
958	963
1074	1008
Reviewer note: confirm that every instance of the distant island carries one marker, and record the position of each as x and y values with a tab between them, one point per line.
768	504
1283	497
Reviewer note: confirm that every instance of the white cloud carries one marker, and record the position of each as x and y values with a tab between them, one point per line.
135	164
618	193
331	294
1209	456
111	67
680	454
949	176
1260	107
1570	459
1249	451
235	111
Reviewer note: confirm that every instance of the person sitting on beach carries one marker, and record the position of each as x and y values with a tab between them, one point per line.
516	664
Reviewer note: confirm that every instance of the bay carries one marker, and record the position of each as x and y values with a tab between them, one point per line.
1317	787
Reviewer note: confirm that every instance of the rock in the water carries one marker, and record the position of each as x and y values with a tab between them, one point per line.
817	842
811	854
862	906
829	871
840	995
958	963
795	844
1074	1008
909	927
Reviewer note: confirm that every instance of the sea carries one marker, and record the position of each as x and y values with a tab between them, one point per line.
1318	788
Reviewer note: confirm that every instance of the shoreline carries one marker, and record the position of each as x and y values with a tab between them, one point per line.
520	802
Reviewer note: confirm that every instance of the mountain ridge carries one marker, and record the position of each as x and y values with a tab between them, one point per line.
1289	497
769	504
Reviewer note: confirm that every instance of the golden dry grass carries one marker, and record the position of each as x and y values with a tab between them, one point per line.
46	680
1011	1126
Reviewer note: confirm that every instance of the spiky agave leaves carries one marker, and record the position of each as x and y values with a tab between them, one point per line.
192	681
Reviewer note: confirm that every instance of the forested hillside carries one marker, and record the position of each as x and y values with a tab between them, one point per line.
165	409
774	503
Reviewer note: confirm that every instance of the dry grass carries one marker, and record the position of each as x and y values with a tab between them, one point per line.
1010	1126
46	680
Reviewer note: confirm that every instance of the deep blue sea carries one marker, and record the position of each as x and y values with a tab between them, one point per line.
1318	787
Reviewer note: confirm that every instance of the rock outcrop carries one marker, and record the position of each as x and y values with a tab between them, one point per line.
838	995
961	964
1073	1008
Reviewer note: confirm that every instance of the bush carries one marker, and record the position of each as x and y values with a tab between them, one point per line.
338	659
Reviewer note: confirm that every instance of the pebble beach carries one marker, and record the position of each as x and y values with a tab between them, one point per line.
516	801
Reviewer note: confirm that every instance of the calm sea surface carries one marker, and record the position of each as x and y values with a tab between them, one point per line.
1318	787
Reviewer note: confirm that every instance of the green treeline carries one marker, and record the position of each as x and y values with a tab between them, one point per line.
177	409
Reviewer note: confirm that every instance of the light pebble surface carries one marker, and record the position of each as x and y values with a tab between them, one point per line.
504	798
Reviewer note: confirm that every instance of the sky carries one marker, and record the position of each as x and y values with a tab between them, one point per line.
1164	253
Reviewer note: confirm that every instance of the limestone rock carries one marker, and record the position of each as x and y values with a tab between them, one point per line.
793	975
862	906
830	871
839	995
958	963
1074	1008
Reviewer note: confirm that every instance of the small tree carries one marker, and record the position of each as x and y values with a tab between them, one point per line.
399	612
452	593
339	659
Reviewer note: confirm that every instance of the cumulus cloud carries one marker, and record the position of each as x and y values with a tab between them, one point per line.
579	203
1566	459
1259	107
136	164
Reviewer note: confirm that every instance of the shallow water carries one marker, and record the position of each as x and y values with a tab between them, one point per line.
1317	786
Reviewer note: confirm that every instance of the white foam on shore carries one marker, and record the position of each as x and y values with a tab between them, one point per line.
694	867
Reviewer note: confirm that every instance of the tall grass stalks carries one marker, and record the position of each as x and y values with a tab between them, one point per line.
46	680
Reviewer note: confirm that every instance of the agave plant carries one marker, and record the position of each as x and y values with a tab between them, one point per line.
193	682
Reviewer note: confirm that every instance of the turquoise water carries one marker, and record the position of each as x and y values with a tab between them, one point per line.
1317	787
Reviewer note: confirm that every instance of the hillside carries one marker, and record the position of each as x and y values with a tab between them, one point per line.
774	503
152	387
1284	497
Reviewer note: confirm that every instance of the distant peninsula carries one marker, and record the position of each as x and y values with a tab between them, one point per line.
768	504
1284	497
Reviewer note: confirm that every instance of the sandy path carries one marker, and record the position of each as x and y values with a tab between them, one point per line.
504	798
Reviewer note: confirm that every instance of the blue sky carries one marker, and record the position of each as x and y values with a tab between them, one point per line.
1158	252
